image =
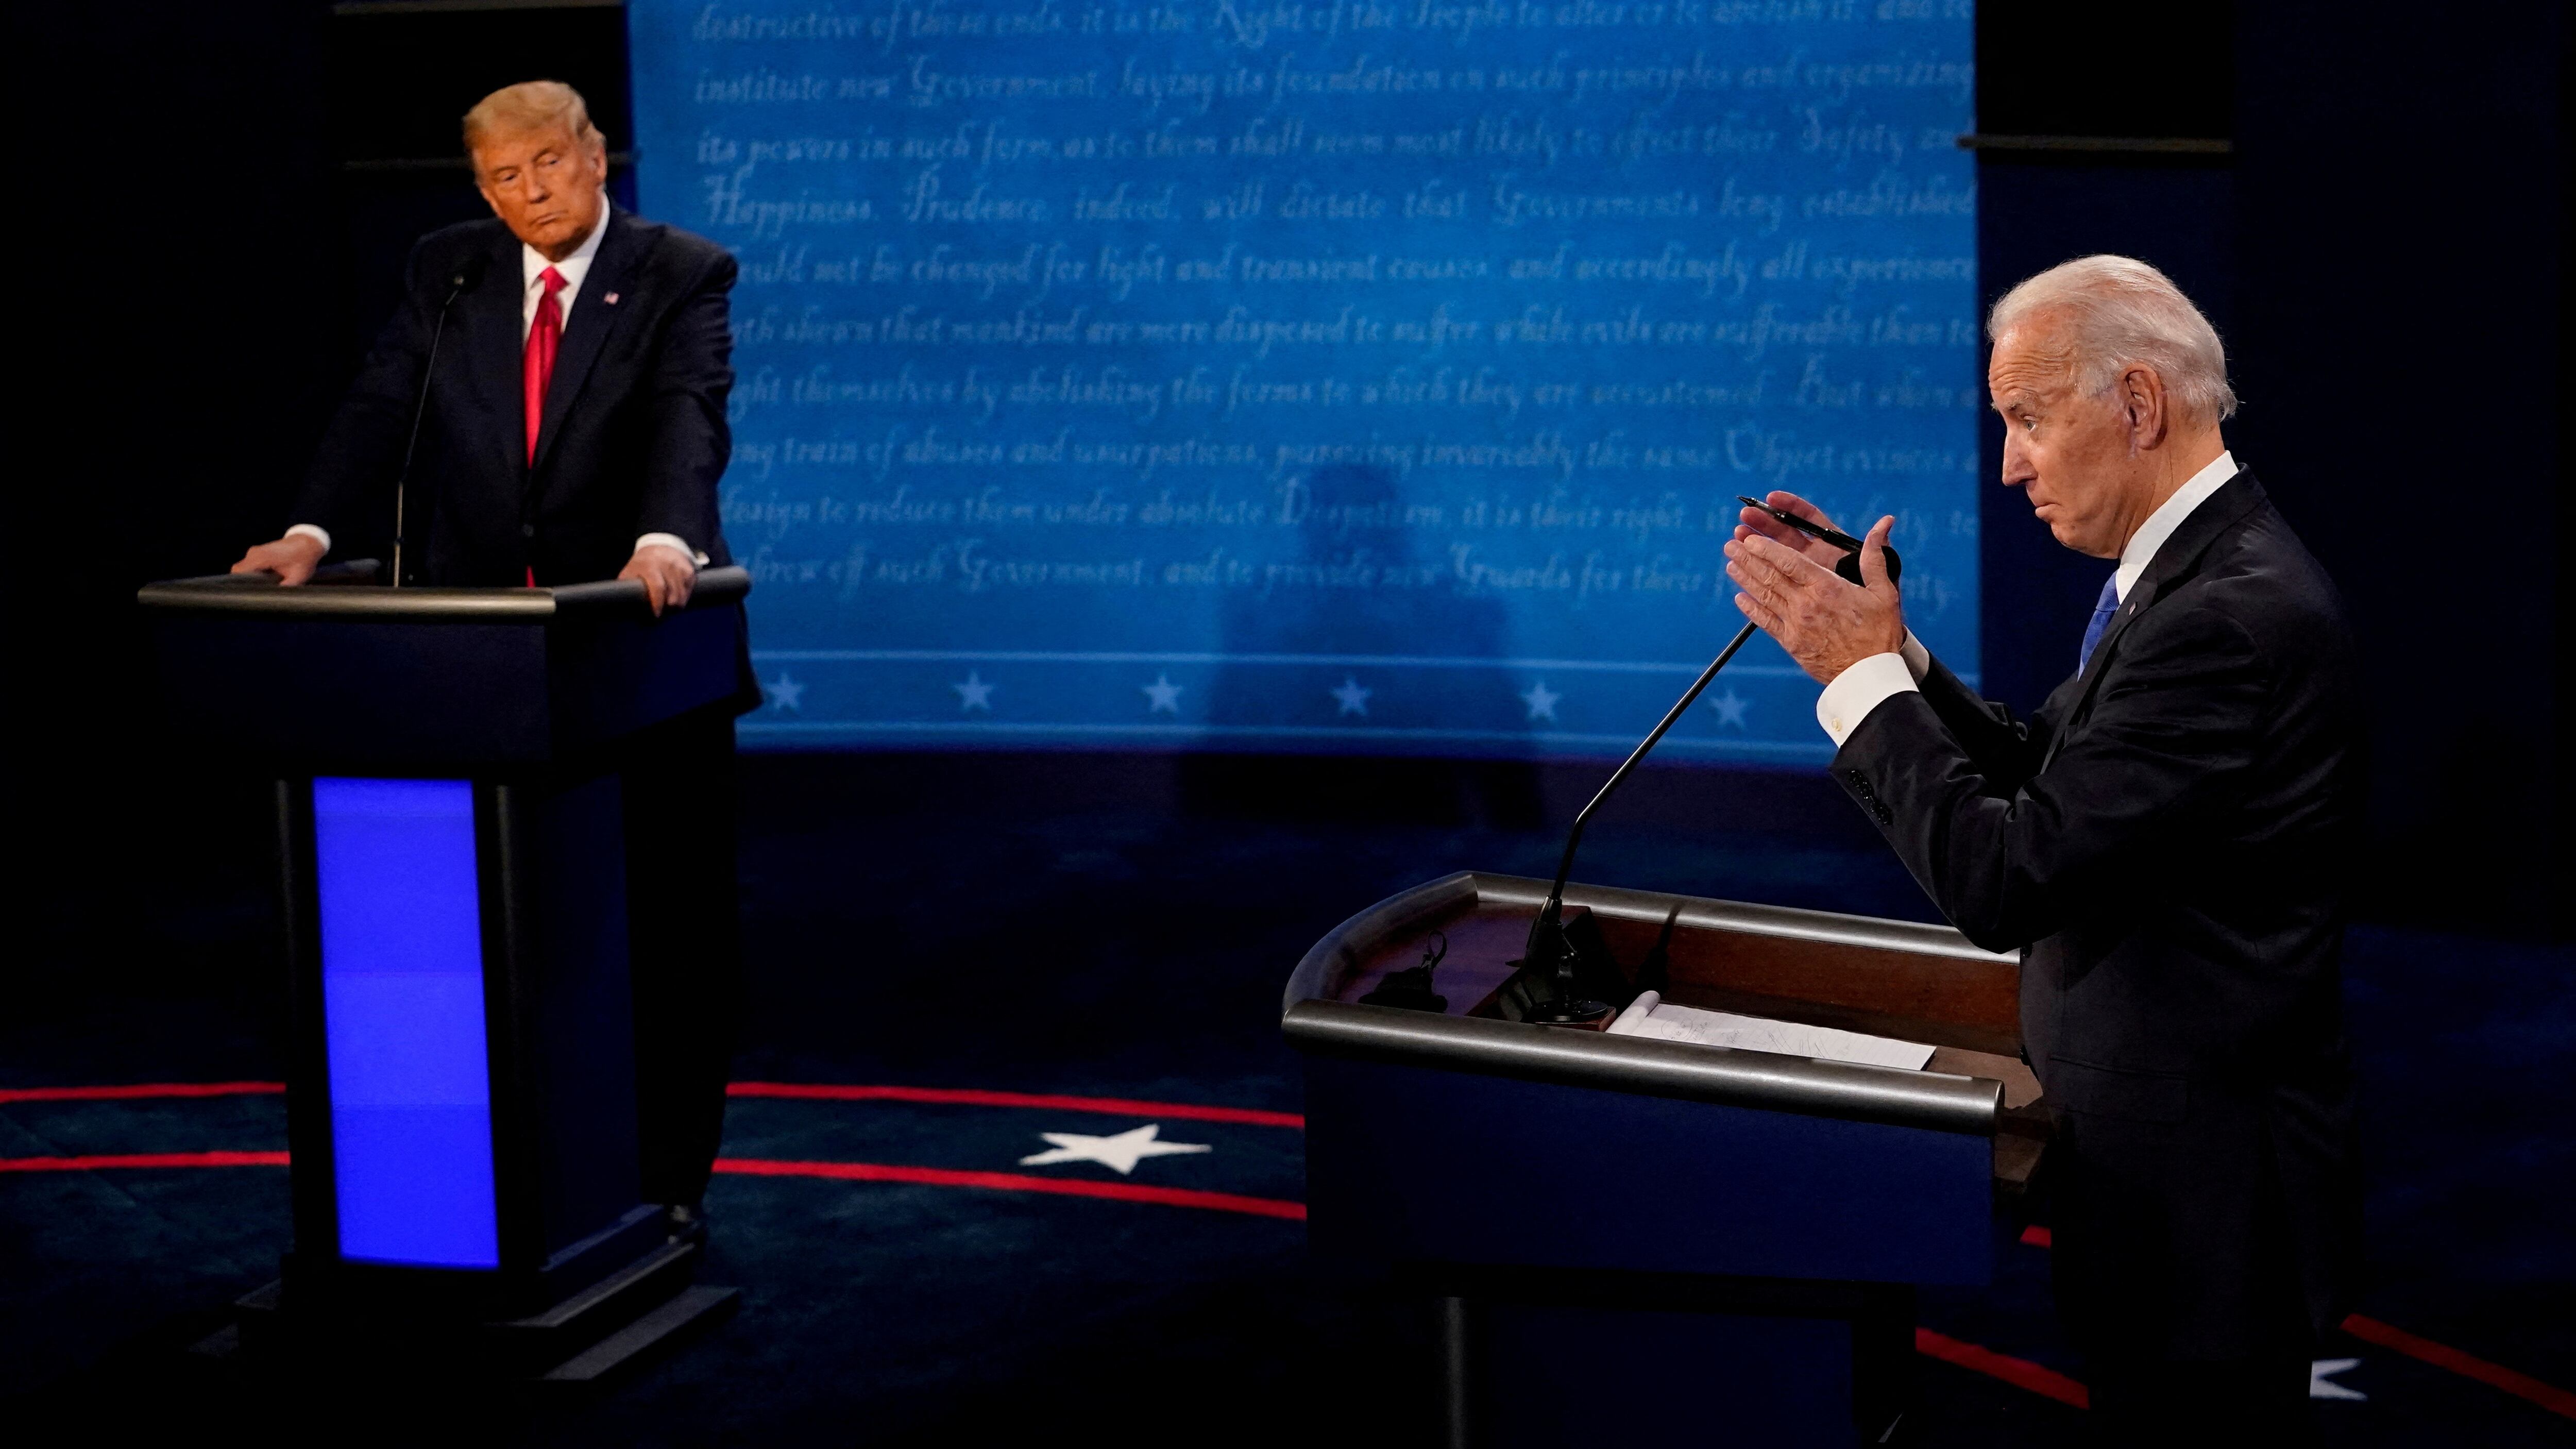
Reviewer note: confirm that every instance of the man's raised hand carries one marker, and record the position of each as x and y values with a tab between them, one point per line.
292	558
1756	523
1823	621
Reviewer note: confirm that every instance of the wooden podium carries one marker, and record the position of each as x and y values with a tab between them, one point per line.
1641	1242
449	814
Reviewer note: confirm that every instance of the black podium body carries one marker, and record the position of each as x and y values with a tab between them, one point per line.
1643	1242
461	1087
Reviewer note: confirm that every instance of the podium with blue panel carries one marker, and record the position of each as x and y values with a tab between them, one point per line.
450	825
1643	1242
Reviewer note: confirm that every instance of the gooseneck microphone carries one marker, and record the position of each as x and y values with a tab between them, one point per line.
1550	959
460	282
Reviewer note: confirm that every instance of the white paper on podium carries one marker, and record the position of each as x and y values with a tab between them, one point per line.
1651	1016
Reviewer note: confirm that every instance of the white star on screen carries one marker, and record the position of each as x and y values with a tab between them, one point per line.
1730	708
1162	696
1353	698
785	692
1541	701
2321	1384
1119	1154
974	693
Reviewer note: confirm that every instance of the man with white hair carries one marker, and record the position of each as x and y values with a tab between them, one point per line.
2167	842
575	360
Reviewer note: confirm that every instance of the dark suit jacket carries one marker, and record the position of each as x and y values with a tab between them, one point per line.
2168	841
633	438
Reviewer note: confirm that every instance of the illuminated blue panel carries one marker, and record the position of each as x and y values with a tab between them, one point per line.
1370	376
402	1003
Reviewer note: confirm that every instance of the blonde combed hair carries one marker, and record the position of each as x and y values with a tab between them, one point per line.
529	106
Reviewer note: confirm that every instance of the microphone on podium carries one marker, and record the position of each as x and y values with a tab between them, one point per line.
1551	965
459	282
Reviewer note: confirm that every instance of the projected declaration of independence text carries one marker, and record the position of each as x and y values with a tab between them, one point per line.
1316	374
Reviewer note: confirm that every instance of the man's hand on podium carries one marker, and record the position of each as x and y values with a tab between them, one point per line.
666	573
292	558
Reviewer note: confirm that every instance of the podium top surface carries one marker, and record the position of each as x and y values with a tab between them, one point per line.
344	677
347	597
1904	979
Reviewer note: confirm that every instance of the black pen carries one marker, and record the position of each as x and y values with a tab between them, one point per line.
1849	564
1813	530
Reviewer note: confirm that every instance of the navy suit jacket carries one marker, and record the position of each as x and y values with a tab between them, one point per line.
633	438
2169	841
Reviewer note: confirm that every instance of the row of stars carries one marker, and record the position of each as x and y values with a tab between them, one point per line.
975	692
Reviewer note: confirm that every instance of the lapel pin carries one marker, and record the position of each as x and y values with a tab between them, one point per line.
610	299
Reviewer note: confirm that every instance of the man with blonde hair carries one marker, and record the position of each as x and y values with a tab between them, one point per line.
552	396
546	452
2167	842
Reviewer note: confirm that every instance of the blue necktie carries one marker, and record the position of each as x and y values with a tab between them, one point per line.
2103	608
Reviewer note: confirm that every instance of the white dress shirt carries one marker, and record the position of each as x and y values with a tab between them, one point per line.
1873	681
532	265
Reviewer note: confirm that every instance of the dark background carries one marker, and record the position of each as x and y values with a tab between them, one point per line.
2370	205
2381	241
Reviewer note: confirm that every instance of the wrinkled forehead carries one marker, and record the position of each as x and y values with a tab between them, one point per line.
2034	361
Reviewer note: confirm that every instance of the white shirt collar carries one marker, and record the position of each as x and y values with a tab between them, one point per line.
572	269
2160	525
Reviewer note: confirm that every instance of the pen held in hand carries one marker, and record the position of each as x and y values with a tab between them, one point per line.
1849	564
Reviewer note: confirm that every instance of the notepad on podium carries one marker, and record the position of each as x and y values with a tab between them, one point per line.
1653	1017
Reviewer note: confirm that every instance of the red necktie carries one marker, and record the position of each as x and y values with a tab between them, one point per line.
537	365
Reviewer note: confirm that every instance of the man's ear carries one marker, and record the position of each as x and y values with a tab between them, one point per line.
2142	399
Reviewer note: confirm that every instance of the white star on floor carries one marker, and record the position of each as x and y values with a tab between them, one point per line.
975	693
1163	695
1541	701
785	692
1730	708
2321	1384
1119	1154
1354	699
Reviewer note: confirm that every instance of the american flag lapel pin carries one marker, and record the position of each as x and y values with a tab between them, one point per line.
610	299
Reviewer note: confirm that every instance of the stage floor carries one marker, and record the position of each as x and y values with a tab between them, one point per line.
978	976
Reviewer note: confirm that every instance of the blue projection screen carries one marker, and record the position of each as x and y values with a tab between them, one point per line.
1318	374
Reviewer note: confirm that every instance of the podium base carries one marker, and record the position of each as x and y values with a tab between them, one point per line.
616	1324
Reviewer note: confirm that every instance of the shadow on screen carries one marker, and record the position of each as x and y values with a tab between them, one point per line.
1306	674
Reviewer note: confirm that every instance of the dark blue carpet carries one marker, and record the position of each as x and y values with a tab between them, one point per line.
1132	942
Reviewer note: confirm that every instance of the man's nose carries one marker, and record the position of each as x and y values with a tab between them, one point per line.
2017	464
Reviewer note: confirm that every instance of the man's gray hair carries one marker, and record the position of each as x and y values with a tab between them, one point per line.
2120	312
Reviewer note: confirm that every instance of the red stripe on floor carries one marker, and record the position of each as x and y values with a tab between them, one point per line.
2548	1396
143	1159
816	1092
2440	1355
1267	1207
2021	1373
966	1097
140	1089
